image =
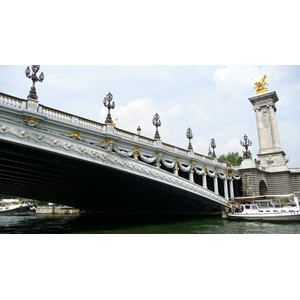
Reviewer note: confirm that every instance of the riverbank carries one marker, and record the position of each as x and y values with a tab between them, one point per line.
59	210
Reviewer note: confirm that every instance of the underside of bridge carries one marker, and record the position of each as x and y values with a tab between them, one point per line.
45	176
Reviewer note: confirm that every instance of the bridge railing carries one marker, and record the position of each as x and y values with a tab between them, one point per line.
11	101
55	114
91	124
124	133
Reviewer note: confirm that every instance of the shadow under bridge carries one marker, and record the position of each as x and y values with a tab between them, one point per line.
111	184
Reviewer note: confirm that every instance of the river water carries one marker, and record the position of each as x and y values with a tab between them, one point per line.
139	224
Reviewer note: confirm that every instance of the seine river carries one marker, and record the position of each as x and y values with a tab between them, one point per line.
138	224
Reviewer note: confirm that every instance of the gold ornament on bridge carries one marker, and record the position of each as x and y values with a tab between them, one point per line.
31	121
261	84
75	135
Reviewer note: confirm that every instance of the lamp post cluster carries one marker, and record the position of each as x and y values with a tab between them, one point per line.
156	122
213	145
109	104
189	135
35	68
246	143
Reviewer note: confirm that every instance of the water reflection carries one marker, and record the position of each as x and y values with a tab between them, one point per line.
139	224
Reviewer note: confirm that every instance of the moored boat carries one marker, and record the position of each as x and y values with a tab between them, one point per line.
263	208
12	207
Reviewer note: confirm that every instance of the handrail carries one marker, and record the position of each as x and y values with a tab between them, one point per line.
11	97
10	100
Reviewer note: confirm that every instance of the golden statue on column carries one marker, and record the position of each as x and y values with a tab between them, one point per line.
261	84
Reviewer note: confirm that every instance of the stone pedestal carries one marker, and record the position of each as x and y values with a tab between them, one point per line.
247	163
32	104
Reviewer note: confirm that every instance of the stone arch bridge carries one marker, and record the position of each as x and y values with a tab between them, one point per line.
52	156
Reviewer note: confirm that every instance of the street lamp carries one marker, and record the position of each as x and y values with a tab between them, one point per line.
109	105
213	145
189	135
247	143
35	68
156	122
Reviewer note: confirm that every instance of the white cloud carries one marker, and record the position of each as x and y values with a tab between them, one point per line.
174	111
136	113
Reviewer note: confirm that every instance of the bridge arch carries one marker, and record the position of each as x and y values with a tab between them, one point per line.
263	188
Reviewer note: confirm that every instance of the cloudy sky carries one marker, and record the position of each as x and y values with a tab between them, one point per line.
212	100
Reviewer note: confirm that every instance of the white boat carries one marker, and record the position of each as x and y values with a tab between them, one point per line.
263	208
12	207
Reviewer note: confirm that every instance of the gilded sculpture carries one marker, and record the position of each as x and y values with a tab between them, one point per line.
261	84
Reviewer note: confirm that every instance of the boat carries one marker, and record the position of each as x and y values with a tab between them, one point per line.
263	208
12	207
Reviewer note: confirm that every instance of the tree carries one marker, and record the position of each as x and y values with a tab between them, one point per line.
232	157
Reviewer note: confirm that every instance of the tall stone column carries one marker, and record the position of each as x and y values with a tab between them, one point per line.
274	127
263	128
270	154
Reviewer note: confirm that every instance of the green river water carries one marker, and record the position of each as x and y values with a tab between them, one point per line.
139	224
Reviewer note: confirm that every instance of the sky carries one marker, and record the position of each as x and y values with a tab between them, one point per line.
210	99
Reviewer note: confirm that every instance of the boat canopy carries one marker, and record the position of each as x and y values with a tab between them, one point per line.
9	200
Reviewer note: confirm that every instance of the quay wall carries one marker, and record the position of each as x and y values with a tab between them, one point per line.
57	210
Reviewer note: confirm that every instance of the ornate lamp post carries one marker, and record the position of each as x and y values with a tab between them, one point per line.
247	143
209	153
156	122
109	105
32	93
189	135
213	145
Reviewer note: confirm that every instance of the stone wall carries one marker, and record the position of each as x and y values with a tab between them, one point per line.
57	210
258	182
279	183
295	180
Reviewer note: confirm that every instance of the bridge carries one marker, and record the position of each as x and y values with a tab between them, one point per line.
53	156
